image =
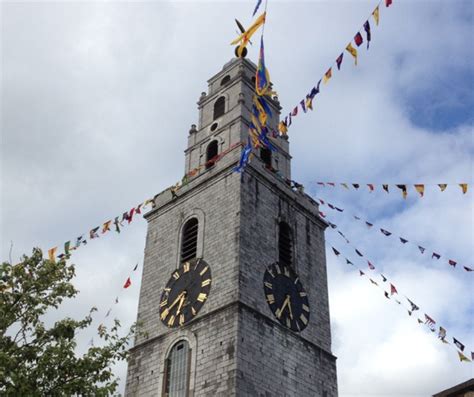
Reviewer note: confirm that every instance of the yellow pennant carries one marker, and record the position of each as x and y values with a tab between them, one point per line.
352	51
327	76
244	38
309	103
442	186
462	357
463	187
52	254
106	227
420	189
375	14
282	128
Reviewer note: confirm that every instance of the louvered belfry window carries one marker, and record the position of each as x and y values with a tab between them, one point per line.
189	240
285	244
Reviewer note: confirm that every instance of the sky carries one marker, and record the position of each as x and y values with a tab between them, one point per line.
97	99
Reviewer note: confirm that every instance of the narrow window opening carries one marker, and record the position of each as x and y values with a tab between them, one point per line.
285	244
219	107
225	80
177	371
189	240
211	154
266	156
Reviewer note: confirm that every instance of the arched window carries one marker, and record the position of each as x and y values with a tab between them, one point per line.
189	240
177	368
285	244
219	107
211	153
225	80
266	156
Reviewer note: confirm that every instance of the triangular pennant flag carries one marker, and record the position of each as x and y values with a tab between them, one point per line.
369	225
321	183
383	278
442	186
462	357
361	272
256	7
295	111
441	333
385	187
386	232
106	227
468	269
136	267
403	188
373	282
339	61
388	3
403	240
420	189
339	209
429	321
367	32
458	344
345	185
356	185
356	218
93	233
422	250
309	102
138	210
375	14
371	187
117	224
420	321
331	206
358	39
413	306
52	254
358	252
108	313
67	247
116	300
128	283
386	294
352	51
435	255
372	267
452	263
349	262
327	76
336	252
302	103
393	290
463	187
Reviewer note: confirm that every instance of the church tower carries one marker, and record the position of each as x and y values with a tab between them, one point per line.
234	298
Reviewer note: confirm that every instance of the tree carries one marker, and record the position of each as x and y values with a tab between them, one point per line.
37	360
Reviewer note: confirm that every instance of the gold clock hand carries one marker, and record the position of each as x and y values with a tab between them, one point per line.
289	307
178	299
285	302
183	298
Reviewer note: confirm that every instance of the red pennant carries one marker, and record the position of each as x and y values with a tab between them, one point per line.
393	290
128	283
358	39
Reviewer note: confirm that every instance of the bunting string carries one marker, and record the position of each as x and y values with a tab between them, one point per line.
386	233
410	306
307	102
403	188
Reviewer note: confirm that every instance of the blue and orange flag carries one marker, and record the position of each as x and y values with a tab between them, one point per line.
262	81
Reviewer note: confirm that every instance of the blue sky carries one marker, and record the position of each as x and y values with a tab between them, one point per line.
97	100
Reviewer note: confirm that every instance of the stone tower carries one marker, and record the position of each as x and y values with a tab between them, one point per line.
234	298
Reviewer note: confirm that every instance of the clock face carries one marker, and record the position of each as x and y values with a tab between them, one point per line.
286	297
185	293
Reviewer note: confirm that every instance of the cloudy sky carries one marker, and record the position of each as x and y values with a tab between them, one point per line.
97	99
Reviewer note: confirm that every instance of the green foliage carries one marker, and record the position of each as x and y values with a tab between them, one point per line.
36	360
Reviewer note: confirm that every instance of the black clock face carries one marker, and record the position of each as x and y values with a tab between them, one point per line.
286	297
185	293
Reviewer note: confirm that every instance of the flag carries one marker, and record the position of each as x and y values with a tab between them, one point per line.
339	209
358	253
361	272
117	224
458	344
108	313
429	321
294	112
386	294
345	185
138	209
302	103
435	255
385	187
452	263
52	254
420	321
403	240
262	78
322	214
385	232
244	38
413	306
420	189
352	51
372	267
356	217
128	283
373	282
136	267
336	252
93	233
383	278
388	3
463	187
371	187
442	186
422	250
130	215
331	206
403	188
375	14
289	119
116	300
369	225
106	227
393	290
462	357
367	31
441	333
339	61
244	157
327	76
283	128
80	240
67	247
358	39
321	183
309	102
356	185
467	269
349	262
256	7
